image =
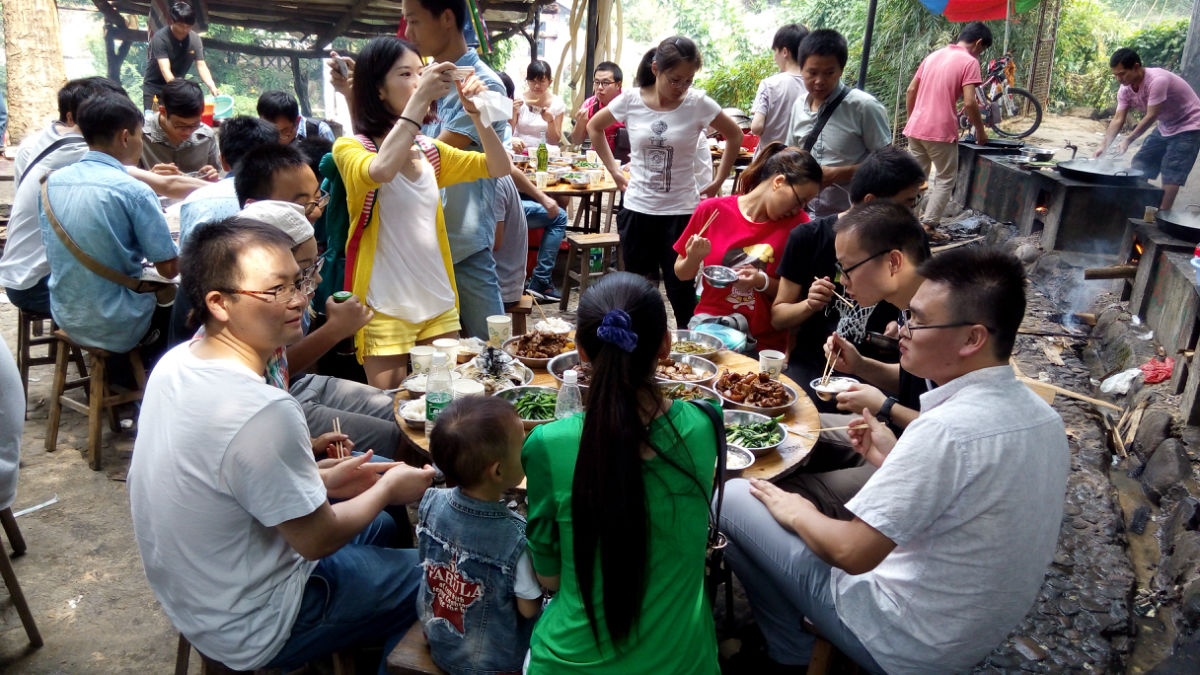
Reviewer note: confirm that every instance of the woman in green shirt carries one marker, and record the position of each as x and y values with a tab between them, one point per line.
625	487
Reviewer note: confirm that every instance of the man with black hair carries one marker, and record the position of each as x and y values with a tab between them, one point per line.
943	77
173	49
945	548
176	139
855	123
436	28
606	85
809	273
24	270
114	219
283	110
1167	99
218	201
777	94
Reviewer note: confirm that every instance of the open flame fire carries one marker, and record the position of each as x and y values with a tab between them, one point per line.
1041	210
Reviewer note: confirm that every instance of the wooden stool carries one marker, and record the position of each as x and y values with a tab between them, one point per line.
10	577
101	396
580	251
825	656
32	332
411	656
519	310
343	662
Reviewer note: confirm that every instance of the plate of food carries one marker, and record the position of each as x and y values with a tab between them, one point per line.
415	384
682	391
693	343
535	405
553	325
412	412
737	460
760	434
693	369
755	392
497	370
535	349
828	388
570	361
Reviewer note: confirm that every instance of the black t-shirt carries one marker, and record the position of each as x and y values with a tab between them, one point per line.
911	388
181	54
809	253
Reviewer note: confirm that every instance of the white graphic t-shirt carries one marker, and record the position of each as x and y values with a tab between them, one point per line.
662	172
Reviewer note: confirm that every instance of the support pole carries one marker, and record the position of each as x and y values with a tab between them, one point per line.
866	50
593	36
537	30
300	82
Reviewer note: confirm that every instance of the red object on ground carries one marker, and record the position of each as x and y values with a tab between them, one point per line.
1157	371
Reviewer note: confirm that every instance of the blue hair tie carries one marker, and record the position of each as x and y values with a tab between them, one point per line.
615	330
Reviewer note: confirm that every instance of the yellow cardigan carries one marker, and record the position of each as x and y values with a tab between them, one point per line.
353	162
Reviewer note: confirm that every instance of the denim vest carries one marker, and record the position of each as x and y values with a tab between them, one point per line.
469	552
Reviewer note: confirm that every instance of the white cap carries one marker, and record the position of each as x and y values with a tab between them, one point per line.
286	216
570	377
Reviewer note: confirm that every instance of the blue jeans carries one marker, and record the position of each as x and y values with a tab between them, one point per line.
478	292
784	581
536	216
35	299
362	594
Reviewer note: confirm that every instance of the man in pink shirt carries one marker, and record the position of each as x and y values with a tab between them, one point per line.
932	128
1165	98
607	86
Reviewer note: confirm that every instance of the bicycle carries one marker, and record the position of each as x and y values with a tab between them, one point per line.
1009	111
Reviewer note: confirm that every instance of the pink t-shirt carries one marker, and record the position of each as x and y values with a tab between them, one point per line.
942	76
1180	109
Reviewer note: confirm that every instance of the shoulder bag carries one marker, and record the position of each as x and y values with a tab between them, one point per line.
831	105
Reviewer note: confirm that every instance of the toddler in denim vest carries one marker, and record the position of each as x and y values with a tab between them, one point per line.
479	594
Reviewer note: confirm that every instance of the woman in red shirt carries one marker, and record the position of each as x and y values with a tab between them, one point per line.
749	234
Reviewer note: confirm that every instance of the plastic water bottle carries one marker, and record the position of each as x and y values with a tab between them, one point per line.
438	391
569	400
543	154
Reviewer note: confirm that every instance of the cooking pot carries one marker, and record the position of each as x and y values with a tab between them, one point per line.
1036	154
1181	223
1099	171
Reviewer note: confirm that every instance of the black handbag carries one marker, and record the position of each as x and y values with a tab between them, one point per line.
715	570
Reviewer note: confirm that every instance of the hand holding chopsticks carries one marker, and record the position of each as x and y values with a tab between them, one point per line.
708	222
339	450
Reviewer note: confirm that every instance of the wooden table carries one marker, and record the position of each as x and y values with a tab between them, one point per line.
799	419
591	202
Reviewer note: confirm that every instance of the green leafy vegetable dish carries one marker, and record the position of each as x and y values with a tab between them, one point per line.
536	405
749	436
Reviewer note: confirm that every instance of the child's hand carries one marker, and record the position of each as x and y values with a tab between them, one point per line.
697	247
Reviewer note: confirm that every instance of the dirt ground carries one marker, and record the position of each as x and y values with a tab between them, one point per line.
82	575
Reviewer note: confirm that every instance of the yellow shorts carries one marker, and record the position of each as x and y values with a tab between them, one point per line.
388	336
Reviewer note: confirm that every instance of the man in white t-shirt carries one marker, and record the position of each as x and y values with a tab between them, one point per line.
240	543
777	94
951	536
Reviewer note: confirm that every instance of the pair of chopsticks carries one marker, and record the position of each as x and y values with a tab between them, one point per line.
812	433
339	450
706	224
830	359
839	296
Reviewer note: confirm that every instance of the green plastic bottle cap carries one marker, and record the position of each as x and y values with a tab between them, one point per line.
342	296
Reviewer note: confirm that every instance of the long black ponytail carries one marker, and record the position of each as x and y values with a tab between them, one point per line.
668	54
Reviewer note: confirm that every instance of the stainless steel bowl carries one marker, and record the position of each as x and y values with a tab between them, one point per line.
718	276
735	456
511	395
1036	154
561	364
713	342
747	417
773	411
510	346
698	363
706	393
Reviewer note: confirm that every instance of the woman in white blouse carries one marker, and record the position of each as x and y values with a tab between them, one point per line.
537	111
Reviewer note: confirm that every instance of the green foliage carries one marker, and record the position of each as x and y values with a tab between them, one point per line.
1161	45
501	52
736	85
1088	33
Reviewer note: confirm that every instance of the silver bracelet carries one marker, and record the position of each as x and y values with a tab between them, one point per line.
766	283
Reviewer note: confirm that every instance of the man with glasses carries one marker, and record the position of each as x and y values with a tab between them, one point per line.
944	550
176	140
239	539
606	85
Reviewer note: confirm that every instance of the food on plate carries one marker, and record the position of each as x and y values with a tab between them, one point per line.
736	461
416	383
671	369
750	436
830	388
414	410
690	347
552	325
756	389
686	392
539	345
536	405
496	369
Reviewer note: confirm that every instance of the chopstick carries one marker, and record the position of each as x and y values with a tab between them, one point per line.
706	224
837	295
813	432
338	449
830	359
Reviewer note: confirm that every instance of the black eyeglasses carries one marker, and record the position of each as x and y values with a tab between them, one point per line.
905	323
845	271
309	273
281	294
799	199
320	202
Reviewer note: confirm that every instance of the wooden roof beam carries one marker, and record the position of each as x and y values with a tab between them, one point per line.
109	12
342	24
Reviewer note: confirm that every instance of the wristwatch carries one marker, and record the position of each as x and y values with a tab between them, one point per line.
885	411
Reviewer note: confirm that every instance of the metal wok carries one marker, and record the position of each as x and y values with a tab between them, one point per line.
1099	171
1181	223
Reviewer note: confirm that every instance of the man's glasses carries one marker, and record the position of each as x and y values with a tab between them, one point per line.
603	83
309	273
320	202
906	325
845	271
282	294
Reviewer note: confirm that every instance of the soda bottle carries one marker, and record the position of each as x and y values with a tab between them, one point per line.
543	154
438	391
596	259
569	400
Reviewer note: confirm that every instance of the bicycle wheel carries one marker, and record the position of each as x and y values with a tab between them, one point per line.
1020	113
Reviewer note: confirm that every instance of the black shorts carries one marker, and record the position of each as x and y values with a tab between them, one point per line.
1174	156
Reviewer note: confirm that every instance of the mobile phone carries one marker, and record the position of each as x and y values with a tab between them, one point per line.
341	66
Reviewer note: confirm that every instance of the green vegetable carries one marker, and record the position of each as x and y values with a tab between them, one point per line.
536	405
758	435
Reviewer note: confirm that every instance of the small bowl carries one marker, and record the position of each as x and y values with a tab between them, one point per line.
410	383
719	276
520	161
747	417
737	460
510	346
511	395
711	341
579	182
830	390
697	363
1035	154
773	411
403	413
706	393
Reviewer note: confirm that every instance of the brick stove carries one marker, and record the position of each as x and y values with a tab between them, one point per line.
969	155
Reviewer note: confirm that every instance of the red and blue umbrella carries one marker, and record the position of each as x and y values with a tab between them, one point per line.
976	10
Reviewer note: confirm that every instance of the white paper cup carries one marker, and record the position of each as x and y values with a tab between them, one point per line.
499	329
595	176
541	179
422	359
593	157
449	347
466	387
771	362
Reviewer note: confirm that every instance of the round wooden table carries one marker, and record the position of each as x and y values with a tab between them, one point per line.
800	419
591	204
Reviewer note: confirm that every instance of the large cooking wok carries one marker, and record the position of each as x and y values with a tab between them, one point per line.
1181	223
1100	171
